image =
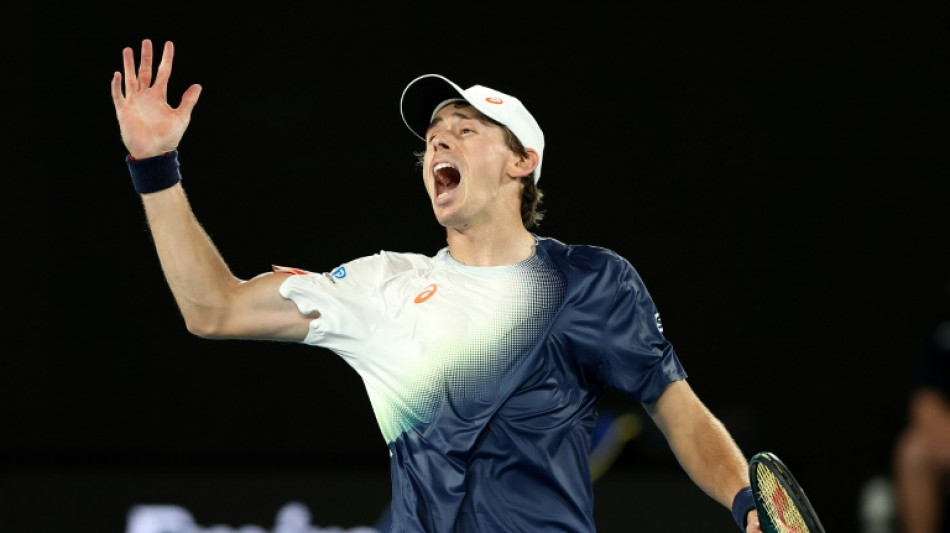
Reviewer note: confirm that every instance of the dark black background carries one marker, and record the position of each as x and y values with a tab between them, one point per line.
779	177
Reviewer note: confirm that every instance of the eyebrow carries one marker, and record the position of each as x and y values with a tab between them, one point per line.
457	114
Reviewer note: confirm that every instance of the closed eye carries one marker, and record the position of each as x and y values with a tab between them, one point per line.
462	131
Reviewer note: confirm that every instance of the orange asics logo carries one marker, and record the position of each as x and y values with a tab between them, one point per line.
426	293
493	100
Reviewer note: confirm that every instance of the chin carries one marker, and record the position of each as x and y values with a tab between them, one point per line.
451	222
444	216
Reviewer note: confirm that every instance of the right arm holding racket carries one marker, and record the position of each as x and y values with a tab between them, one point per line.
706	451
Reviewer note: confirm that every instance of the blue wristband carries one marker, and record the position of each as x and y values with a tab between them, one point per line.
741	505
154	174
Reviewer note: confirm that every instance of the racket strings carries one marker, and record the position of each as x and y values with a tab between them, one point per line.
779	506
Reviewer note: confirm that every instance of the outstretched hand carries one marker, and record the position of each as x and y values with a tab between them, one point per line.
148	124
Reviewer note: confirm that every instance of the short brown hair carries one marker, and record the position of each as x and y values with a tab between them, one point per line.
531	195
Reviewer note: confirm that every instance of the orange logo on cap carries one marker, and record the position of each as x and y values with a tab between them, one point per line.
493	100
426	293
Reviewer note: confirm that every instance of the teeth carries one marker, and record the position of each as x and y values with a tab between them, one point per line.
443	195
437	168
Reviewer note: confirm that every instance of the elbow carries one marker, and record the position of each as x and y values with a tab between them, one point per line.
204	325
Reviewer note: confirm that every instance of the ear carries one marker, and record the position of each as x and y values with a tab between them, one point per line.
524	166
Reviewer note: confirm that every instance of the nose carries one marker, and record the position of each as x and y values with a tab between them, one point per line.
439	140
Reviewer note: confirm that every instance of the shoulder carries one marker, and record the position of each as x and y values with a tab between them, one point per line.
585	256
398	260
381	264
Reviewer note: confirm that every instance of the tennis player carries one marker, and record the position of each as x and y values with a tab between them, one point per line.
485	361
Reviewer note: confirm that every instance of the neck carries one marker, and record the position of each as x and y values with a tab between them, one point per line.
491	246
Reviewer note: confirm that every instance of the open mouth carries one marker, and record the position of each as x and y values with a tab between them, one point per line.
447	177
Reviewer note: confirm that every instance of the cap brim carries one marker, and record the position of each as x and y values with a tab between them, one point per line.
420	98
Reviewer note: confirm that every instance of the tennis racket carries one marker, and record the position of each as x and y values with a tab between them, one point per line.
779	500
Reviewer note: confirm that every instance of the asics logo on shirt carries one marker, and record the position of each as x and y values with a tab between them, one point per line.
339	273
426	293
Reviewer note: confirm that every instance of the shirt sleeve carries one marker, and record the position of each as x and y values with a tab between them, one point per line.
637	359
343	298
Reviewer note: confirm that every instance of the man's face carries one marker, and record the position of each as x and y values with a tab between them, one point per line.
465	167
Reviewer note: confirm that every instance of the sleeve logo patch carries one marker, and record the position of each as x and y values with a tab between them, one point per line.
339	273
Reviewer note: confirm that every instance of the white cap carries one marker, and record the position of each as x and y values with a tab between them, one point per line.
430	92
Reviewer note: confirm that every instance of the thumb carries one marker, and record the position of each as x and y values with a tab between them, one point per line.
188	101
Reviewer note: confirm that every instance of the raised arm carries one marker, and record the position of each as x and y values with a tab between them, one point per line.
704	448
213	302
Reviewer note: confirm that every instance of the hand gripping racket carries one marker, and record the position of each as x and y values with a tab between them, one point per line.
779	500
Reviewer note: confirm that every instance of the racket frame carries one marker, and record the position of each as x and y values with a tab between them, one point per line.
792	488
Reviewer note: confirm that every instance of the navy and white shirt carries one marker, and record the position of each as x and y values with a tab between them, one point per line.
485	380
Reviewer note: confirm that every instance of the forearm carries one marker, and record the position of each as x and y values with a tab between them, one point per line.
711	458
700	442
197	275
